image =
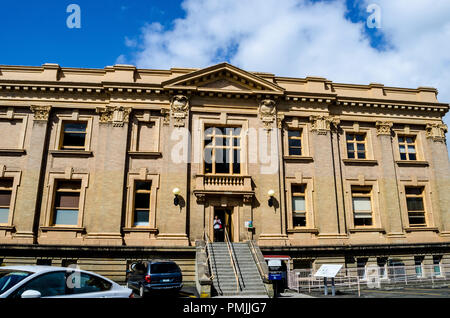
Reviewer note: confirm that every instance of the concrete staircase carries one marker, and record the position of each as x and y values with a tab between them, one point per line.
224	282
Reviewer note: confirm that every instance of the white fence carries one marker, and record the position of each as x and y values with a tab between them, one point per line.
372	276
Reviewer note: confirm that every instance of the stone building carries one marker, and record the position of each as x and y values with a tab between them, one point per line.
103	166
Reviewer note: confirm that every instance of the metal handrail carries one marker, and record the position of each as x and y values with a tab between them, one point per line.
233	264
208	253
258	264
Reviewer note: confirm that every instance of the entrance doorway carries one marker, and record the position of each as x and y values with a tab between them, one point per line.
225	217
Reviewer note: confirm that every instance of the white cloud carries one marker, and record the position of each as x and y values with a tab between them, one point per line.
299	38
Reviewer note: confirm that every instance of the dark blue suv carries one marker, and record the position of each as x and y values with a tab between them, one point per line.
154	275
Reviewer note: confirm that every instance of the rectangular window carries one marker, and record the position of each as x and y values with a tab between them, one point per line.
74	135
361	267
362	206
299	205
295	142
356	146
382	264
418	262
142	190
5	199
415	206
437	264
222	150
67	202
407	147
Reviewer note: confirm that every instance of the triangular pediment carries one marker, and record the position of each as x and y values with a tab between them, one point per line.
224	77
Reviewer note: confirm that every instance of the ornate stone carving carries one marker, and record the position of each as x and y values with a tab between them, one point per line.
267	112
166	116
41	113
383	127
248	198
201	198
280	121
436	131
117	115
179	108
106	114
321	124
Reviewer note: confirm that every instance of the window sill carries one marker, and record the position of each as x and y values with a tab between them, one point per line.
145	154
306	230
7	227
70	153
422	229
412	163
140	229
298	158
368	229
62	228
12	152
362	162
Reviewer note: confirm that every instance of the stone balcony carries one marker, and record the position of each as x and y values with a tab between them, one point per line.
223	184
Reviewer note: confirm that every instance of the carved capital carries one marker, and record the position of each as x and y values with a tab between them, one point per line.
267	112
117	115
41	113
383	127
179	107
436	131
322	124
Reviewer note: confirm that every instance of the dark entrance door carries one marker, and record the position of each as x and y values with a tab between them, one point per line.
224	215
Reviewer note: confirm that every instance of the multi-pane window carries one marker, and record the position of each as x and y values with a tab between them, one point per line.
362	206
142	191
298	205
222	153
74	135
415	206
407	147
5	199
295	142
67	202
356	146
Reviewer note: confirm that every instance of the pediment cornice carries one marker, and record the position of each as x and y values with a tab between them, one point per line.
224	77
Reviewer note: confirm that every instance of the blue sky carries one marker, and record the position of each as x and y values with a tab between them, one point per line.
35	32
410	47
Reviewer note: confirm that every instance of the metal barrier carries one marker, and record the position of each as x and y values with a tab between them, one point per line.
372	276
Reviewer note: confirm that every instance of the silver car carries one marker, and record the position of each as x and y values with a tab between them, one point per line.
57	282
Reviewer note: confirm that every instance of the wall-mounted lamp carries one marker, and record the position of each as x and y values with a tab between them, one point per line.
271	194
176	200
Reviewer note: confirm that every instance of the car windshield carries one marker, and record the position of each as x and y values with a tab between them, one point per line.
160	268
9	278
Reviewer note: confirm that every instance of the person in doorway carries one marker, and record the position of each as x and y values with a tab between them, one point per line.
218	229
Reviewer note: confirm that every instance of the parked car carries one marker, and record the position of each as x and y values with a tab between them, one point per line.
57	282
154	275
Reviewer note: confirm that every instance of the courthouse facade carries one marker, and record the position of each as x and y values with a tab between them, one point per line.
100	166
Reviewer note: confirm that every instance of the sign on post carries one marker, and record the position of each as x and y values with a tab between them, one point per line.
328	271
